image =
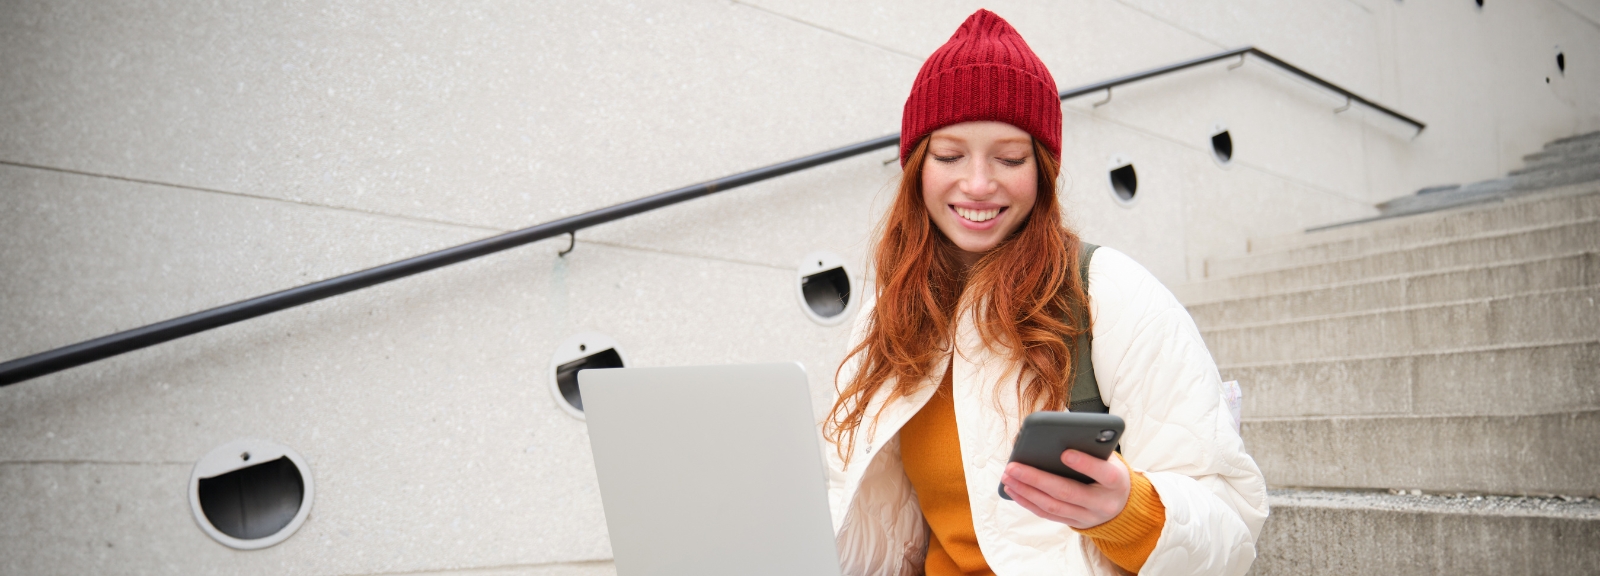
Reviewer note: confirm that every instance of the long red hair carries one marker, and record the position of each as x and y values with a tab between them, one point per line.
1025	294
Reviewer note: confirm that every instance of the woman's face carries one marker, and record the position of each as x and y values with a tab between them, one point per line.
979	182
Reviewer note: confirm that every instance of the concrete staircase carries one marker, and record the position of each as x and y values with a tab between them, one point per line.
1423	391
1562	162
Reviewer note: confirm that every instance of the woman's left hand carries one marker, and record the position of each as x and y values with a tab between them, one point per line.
1068	501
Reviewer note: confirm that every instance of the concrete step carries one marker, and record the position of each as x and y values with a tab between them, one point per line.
1491	190
1570	169
1543	274
1422	230
1586	137
1501	381
1522	211
1328	532
1575	145
1544	317
1570	148
1557	161
1559	166
1501	247
1538	454
1557	154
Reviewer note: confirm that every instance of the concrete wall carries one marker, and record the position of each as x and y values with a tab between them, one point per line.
159	158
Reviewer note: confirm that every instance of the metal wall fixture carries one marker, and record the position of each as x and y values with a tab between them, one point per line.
250	494
1221	144
583	351
822	284
1123	179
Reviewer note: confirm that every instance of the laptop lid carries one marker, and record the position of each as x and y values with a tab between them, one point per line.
710	470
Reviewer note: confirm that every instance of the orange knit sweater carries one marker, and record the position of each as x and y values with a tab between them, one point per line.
930	447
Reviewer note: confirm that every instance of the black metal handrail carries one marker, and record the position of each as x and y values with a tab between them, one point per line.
104	347
1242	53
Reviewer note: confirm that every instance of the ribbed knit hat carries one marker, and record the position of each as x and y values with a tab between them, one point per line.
984	72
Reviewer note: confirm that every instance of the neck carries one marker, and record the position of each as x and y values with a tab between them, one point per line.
967	259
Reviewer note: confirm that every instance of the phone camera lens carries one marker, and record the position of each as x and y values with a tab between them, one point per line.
1105	436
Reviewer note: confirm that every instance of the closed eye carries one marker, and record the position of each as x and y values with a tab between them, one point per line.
946	159
1013	162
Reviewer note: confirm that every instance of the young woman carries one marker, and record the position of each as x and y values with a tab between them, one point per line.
975	323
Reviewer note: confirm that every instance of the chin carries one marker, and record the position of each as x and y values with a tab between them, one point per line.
977	246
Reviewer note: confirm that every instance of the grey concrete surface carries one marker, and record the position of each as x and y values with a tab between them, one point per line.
95	517
1255	22
1076	54
86	256
1568	161
406	332
87	517
1498	247
1510	381
1514	184
1586	152
1564	162
1560	204
492	115
1540	275
1324	388
1517	380
775	223
1544	210
1514	72
405	392
1582	10
1313	532
1583	146
1580	146
1546	317
437	449
1539	454
1252	101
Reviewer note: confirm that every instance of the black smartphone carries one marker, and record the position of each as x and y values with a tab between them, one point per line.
1045	435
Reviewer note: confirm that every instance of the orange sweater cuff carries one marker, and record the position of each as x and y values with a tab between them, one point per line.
1129	538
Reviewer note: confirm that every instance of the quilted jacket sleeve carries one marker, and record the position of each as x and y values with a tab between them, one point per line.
1158	376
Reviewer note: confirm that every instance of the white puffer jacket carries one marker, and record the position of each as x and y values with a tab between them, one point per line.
1154	371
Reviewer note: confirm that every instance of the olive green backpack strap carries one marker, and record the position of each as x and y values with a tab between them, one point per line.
1085	395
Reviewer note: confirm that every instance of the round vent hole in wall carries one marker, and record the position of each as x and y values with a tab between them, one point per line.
1124	180
823	286
585	351
1222	147
250	494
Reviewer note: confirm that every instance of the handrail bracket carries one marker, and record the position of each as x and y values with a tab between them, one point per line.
1108	98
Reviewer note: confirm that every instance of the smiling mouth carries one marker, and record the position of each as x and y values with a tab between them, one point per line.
978	215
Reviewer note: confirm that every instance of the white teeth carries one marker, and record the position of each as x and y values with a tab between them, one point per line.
977	215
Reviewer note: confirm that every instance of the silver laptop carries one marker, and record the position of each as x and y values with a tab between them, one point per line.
710	470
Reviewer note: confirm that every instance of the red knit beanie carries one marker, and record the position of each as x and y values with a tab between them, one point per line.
984	72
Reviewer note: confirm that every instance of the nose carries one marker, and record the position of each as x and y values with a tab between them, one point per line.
979	181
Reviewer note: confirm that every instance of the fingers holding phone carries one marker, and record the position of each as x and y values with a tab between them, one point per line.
1061	470
1069	501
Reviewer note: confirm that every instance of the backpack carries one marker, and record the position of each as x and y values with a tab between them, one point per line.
1085	395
